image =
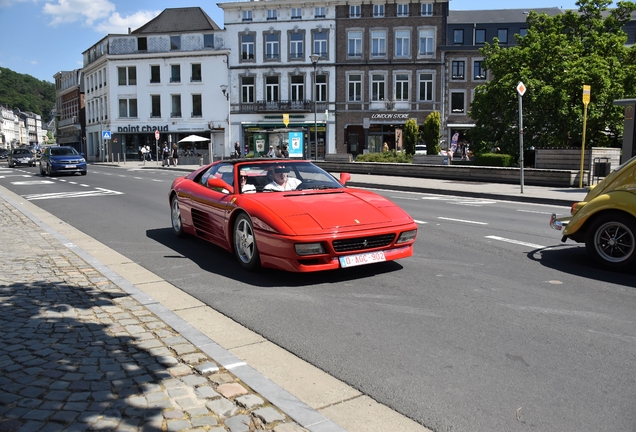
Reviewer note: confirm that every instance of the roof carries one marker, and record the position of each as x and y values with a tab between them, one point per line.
173	20
497	15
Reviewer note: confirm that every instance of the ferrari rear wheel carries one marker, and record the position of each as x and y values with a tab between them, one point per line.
175	215
611	240
245	243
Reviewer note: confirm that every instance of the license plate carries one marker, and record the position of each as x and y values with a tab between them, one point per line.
362	259
69	166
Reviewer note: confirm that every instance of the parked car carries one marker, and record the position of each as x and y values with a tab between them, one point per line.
20	156
4	153
420	149
62	160
314	224
606	219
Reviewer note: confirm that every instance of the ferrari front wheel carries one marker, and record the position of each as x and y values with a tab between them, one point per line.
611	240
175	216
245	243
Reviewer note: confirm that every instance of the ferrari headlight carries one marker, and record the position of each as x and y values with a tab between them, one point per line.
406	236
309	248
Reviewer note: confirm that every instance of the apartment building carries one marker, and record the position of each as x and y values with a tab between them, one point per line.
164	77
282	80
10	127
69	109
388	70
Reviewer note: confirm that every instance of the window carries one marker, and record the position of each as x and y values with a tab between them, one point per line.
247	90
426	86
354	11
523	32
458	36
296	13
401	87
197	106
297	88
480	36
175	73
457	103
320	44
196	72
247	47
502	35
427	42
321	88
142	44
355	88
403	9
127	75
377	87
378	43
378	10
176	106
272	14
247	15
319	12
175	43
271	89
354	44
479	73
296	41
457	70
155	74
402	43
426	9
271	46
127	108
155	106
208	41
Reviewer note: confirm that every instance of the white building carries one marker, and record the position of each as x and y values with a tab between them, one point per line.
276	99
164	77
9	129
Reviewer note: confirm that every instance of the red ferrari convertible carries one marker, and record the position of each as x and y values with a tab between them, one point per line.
289	215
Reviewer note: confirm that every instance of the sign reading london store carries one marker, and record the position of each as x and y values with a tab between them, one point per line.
146	128
390	116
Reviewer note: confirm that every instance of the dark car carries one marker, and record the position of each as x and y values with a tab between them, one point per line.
4	153
62	160
20	156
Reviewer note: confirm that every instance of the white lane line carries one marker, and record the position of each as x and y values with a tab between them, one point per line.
463	220
419	222
537	212
518	242
57	195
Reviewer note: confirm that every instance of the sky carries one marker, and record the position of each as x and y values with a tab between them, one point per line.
43	37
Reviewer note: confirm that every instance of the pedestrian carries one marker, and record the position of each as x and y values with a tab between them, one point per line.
237	149
271	153
279	153
385	147
285	151
165	153
175	155
147	153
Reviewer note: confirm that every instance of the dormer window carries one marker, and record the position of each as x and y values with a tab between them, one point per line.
247	15
272	14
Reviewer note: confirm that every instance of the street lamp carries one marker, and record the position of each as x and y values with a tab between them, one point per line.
226	93
314	59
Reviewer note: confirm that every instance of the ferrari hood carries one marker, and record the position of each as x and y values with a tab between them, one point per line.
327	210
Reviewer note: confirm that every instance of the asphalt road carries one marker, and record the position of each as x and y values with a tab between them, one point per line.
492	325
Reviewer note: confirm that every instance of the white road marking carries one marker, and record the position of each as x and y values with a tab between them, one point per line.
537	212
518	242
15	175
419	222
462	220
31	182
59	195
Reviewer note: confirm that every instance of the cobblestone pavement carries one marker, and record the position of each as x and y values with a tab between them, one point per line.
78	353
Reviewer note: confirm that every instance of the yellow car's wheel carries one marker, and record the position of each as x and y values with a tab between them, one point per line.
611	240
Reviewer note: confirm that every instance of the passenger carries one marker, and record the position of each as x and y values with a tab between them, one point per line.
245	186
281	181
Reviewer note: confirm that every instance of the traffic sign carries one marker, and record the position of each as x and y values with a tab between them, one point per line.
521	88
106	135
157	135
586	94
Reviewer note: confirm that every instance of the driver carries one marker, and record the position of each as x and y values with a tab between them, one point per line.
281	181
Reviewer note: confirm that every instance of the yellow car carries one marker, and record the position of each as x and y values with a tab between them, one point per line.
606	220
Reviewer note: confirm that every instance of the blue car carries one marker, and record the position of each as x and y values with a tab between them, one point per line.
62	160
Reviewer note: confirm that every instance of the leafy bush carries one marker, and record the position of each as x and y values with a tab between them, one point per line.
431	132
493	159
390	156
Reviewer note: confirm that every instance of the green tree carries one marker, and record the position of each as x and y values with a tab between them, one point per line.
410	133
431	132
26	93
558	55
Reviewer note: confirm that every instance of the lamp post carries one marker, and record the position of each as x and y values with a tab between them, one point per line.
226	93
314	59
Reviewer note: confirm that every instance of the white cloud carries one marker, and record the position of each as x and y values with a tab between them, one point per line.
87	11
116	24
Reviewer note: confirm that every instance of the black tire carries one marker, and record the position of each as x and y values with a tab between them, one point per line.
611	240
175	217
245	243
48	171
83	172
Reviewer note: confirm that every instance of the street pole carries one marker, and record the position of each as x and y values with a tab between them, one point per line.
226	92
521	89
314	60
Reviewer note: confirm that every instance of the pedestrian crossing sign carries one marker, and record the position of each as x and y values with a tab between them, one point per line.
106	135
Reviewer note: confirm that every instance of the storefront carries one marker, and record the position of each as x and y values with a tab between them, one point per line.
375	129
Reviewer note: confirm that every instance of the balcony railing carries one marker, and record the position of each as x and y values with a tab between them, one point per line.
277	106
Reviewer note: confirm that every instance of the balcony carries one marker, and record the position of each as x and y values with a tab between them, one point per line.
276	106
